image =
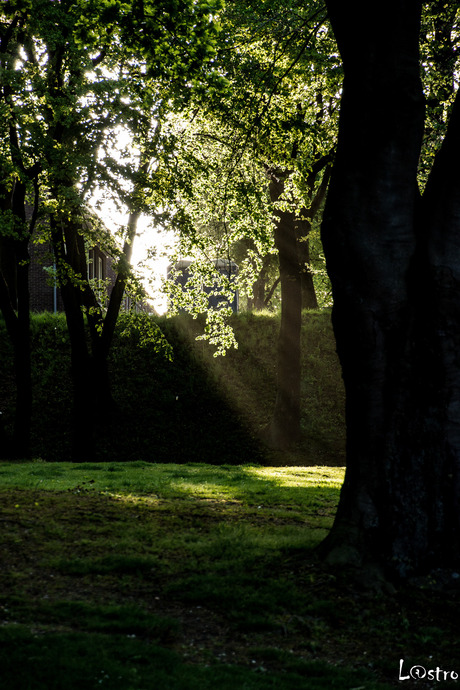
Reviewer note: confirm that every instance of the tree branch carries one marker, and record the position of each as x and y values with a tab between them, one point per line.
6	37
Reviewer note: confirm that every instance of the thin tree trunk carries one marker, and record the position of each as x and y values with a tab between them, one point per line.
284	429
15	306
309	299
68	264
118	290
291	241
257	301
22	356
90	375
102	337
271	291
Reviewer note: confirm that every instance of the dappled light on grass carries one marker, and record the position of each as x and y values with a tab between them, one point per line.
300	476
186	576
244	484
168	481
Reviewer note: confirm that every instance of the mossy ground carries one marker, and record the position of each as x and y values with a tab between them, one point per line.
138	576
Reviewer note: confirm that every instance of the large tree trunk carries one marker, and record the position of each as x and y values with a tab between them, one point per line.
440	343
394	263
369	239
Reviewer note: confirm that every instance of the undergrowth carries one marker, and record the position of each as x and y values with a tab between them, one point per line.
193	408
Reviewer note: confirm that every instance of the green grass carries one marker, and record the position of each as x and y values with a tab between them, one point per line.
138	576
75	662
247	483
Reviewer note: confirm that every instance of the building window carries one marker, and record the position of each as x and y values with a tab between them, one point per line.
100	268
91	264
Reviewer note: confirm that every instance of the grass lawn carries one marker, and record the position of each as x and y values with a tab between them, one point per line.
136	576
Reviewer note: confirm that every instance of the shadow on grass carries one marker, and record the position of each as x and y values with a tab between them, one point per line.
76	547
104	588
78	661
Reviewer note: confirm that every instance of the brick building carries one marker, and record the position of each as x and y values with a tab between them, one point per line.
45	294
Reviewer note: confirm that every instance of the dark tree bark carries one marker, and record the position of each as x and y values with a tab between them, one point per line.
259	289
394	262
93	404
307	286
17	324
316	196
14	251
284	428
297	291
271	291
15	306
70	275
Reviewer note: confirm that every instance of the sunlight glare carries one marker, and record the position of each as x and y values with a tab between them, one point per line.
300	476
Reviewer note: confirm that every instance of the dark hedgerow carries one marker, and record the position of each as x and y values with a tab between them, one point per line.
174	401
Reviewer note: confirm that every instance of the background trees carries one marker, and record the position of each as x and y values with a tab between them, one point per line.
73	74
19	184
269	138
76	76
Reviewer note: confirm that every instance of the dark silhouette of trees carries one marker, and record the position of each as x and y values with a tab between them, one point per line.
72	74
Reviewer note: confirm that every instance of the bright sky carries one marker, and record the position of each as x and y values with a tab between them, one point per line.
152	270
